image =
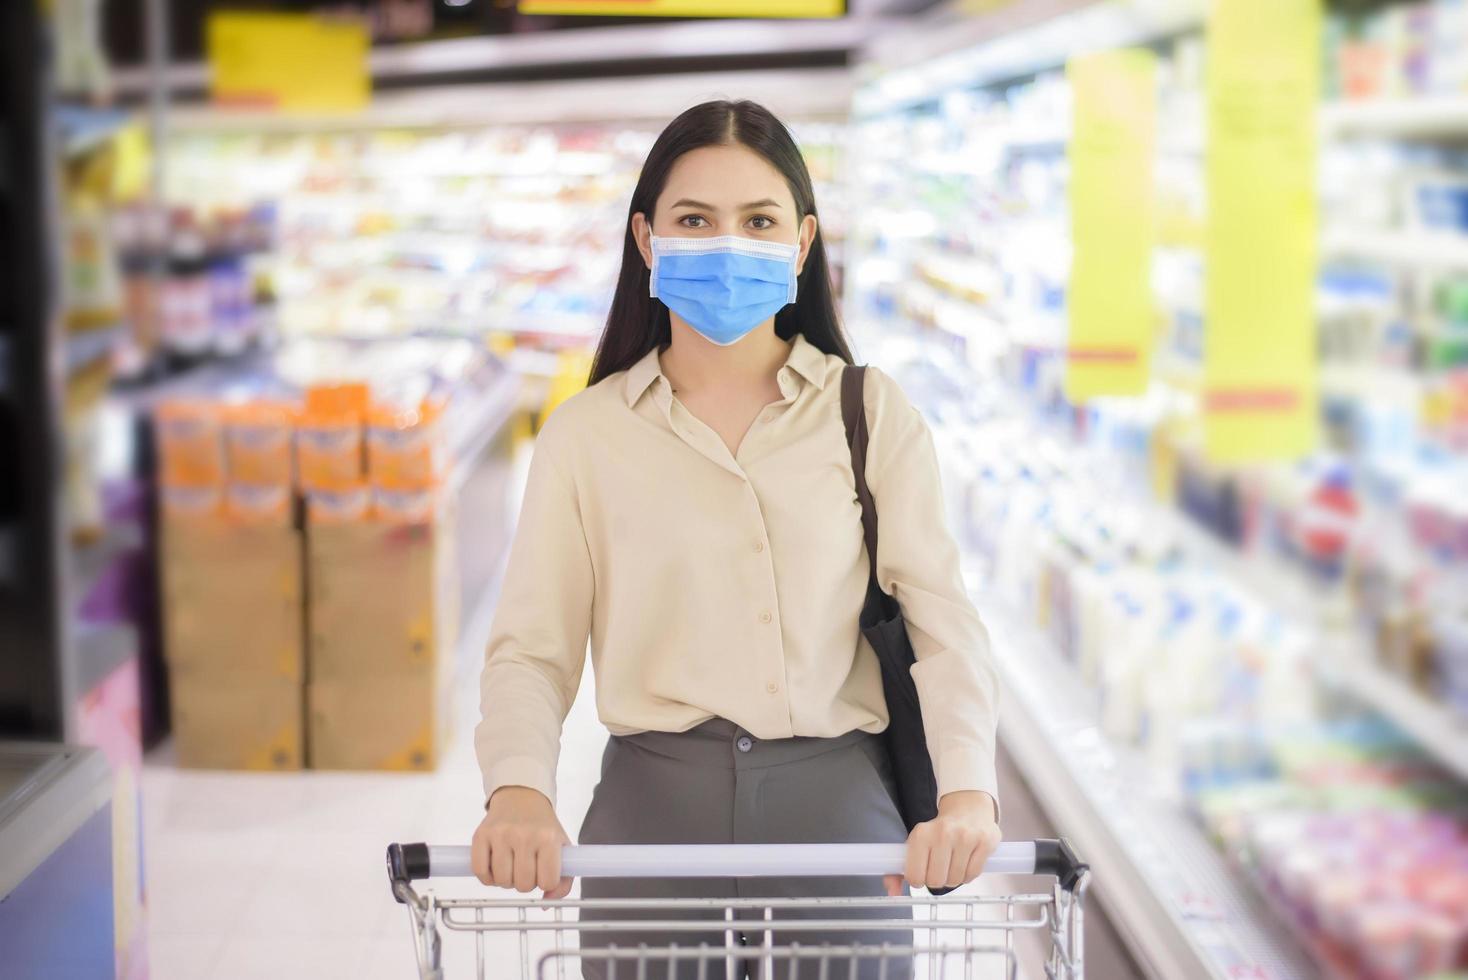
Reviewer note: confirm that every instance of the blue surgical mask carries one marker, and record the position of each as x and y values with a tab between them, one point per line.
723	287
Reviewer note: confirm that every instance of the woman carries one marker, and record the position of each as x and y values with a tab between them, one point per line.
693	512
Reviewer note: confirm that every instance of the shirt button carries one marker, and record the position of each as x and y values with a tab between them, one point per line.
759	546
765	617
770	417
745	743
772	687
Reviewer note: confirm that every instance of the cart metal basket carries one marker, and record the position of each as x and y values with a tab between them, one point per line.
968	936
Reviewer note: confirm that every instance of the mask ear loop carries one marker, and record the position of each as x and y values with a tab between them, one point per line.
652	275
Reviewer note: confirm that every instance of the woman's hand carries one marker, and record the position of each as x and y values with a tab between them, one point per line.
950	850
518	843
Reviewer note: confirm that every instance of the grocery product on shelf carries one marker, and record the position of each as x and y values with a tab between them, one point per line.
404	446
1360	842
190	442
329	448
1395	50
258	441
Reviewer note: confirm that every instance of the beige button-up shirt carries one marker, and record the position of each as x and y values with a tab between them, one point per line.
728	585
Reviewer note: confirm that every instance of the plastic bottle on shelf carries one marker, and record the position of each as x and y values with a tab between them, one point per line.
404	445
190	443
258	437
329	449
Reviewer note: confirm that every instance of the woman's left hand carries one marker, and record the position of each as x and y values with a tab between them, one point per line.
950	850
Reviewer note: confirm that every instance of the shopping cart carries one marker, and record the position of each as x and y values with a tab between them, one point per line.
965	936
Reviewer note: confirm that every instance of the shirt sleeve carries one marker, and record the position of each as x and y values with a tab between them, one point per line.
918	563
537	644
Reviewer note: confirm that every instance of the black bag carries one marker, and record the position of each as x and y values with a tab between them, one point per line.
885	630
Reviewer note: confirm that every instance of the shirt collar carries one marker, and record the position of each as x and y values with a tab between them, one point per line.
641	375
808	361
805	359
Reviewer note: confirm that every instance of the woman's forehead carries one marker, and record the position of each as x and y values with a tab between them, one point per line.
726	177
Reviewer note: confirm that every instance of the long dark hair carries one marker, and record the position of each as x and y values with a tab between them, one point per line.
639	323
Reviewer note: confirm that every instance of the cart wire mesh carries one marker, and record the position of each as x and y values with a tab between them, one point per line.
935	937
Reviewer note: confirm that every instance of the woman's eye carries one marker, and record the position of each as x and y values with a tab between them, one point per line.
693	221
762	223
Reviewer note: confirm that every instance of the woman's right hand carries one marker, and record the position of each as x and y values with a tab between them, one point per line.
518	843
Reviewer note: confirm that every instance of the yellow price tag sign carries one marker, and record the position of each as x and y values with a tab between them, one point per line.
687	8
1114	132
1259	368
289	62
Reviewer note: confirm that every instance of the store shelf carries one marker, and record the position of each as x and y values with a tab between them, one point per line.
1425	250
948	50
1439	731
1182	909
1437	117
474	426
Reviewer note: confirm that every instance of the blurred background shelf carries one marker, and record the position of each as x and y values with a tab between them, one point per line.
1182	908
1435	117
1416	249
1439	731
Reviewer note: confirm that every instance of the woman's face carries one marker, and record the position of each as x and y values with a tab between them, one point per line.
725	190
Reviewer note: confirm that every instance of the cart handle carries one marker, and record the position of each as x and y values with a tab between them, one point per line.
413	862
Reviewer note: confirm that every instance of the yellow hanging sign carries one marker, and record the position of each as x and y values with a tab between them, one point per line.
290	62
132	163
1114	131
688	8
1259	372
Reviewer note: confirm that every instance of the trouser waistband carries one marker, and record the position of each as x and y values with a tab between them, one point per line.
719	742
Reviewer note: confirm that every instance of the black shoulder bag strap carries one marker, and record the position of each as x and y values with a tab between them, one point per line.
854	417
884	629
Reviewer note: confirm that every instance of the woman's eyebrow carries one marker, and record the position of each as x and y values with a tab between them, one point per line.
701	206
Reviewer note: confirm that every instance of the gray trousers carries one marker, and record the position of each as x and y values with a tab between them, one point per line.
717	784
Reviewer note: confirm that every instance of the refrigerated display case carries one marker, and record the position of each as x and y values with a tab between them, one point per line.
56	870
1246	661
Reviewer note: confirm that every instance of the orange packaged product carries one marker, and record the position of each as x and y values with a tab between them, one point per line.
404	449
190	443
258	443
192	504
338	399
339	505
329	449
404	506
260	504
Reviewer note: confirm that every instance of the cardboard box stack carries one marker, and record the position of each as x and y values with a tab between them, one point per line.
335	652
383	593
232	585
